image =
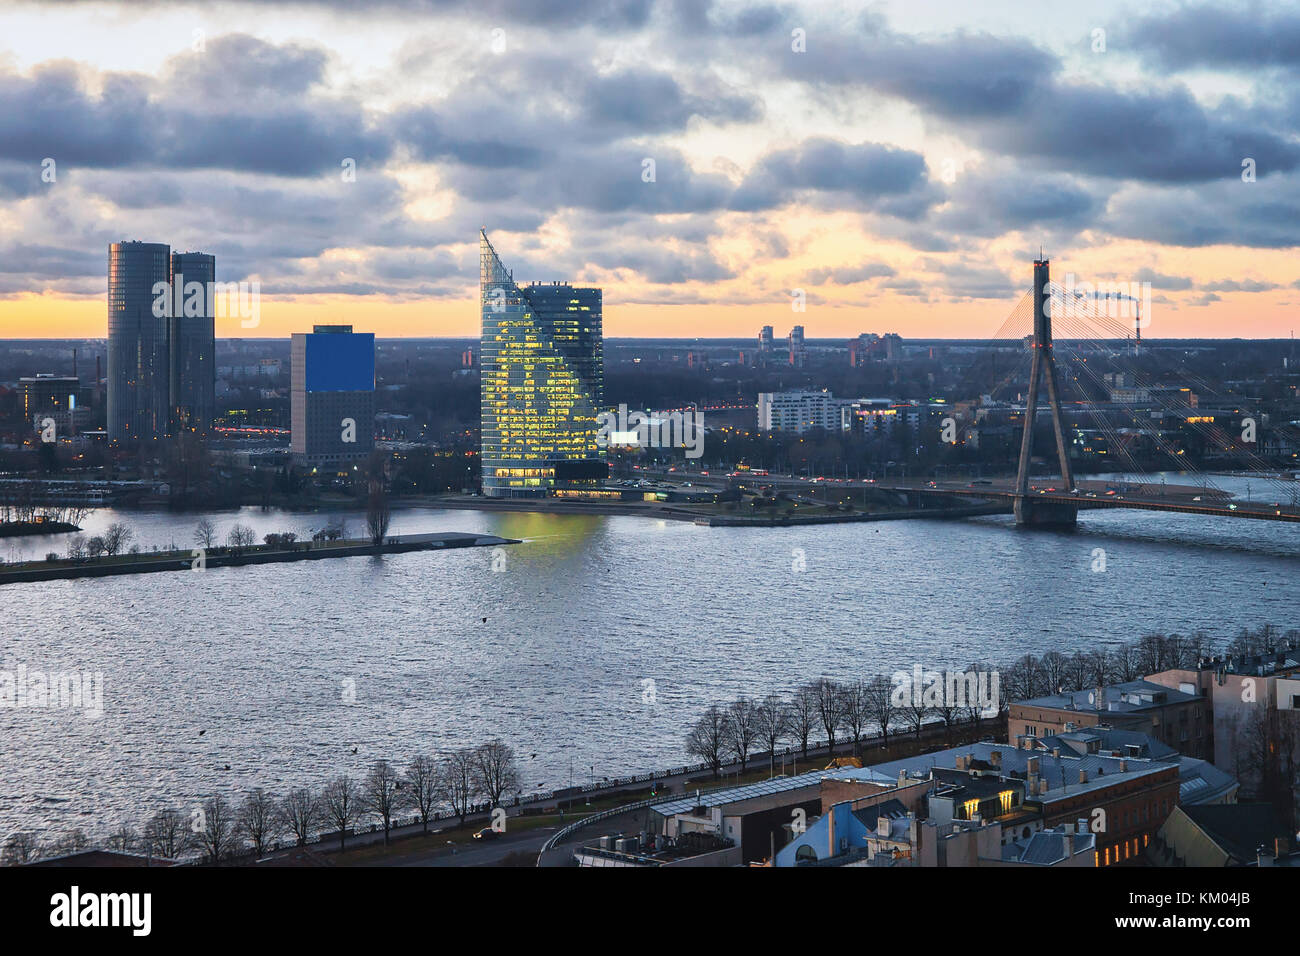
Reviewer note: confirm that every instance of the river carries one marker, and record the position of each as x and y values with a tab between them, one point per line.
288	669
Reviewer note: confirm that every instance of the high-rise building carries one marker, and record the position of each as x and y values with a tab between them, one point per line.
542	384
765	338
191	333
799	411
138	361
332	400
797	353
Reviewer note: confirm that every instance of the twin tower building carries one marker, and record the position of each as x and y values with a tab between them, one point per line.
161	346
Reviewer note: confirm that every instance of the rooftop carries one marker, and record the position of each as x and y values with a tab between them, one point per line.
1127	697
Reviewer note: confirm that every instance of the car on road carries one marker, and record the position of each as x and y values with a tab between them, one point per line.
487	833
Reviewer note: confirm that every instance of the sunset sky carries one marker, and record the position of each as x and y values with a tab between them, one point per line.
903	169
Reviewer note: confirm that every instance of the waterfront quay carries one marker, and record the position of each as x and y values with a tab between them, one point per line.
200	559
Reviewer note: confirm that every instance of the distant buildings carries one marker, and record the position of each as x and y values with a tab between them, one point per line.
161	358
332	396
543	384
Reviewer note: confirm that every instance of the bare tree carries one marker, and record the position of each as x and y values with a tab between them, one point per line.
381	794
856	712
1054	666
880	704
300	811
341	805
708	738
830	707
166	835
946	708
742	729
240	536
915	710
802	710
259	820
123	839
1125	662
457	781
495	772
378	512
116	537
1025	678
205	534
95	546
77	547
773	722
1077	671
422	781
22	847
216	835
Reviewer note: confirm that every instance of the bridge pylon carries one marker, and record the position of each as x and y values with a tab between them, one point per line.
1028	511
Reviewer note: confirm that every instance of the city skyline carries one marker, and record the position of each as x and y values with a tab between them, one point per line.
699	166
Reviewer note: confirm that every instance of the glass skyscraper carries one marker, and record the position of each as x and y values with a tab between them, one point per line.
138	360
543	384
192	374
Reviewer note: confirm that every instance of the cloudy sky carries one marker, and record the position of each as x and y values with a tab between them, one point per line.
900	162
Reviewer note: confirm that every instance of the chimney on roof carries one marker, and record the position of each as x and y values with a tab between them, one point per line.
1032	765
1123	765
1099	700
902	778
1083	775
995	758
1056	751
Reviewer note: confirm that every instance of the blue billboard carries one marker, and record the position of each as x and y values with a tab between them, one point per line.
340	362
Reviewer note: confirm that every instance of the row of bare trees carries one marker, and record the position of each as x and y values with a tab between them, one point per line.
115	540
18	505
825	709
221	830
839	712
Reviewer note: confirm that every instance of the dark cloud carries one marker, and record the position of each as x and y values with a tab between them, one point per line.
150	123
999	197
1007	97
851	275
1239	285
882	178
1221	35
1261	215
961	77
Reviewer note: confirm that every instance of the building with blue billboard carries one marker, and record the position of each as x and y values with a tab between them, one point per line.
333	396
